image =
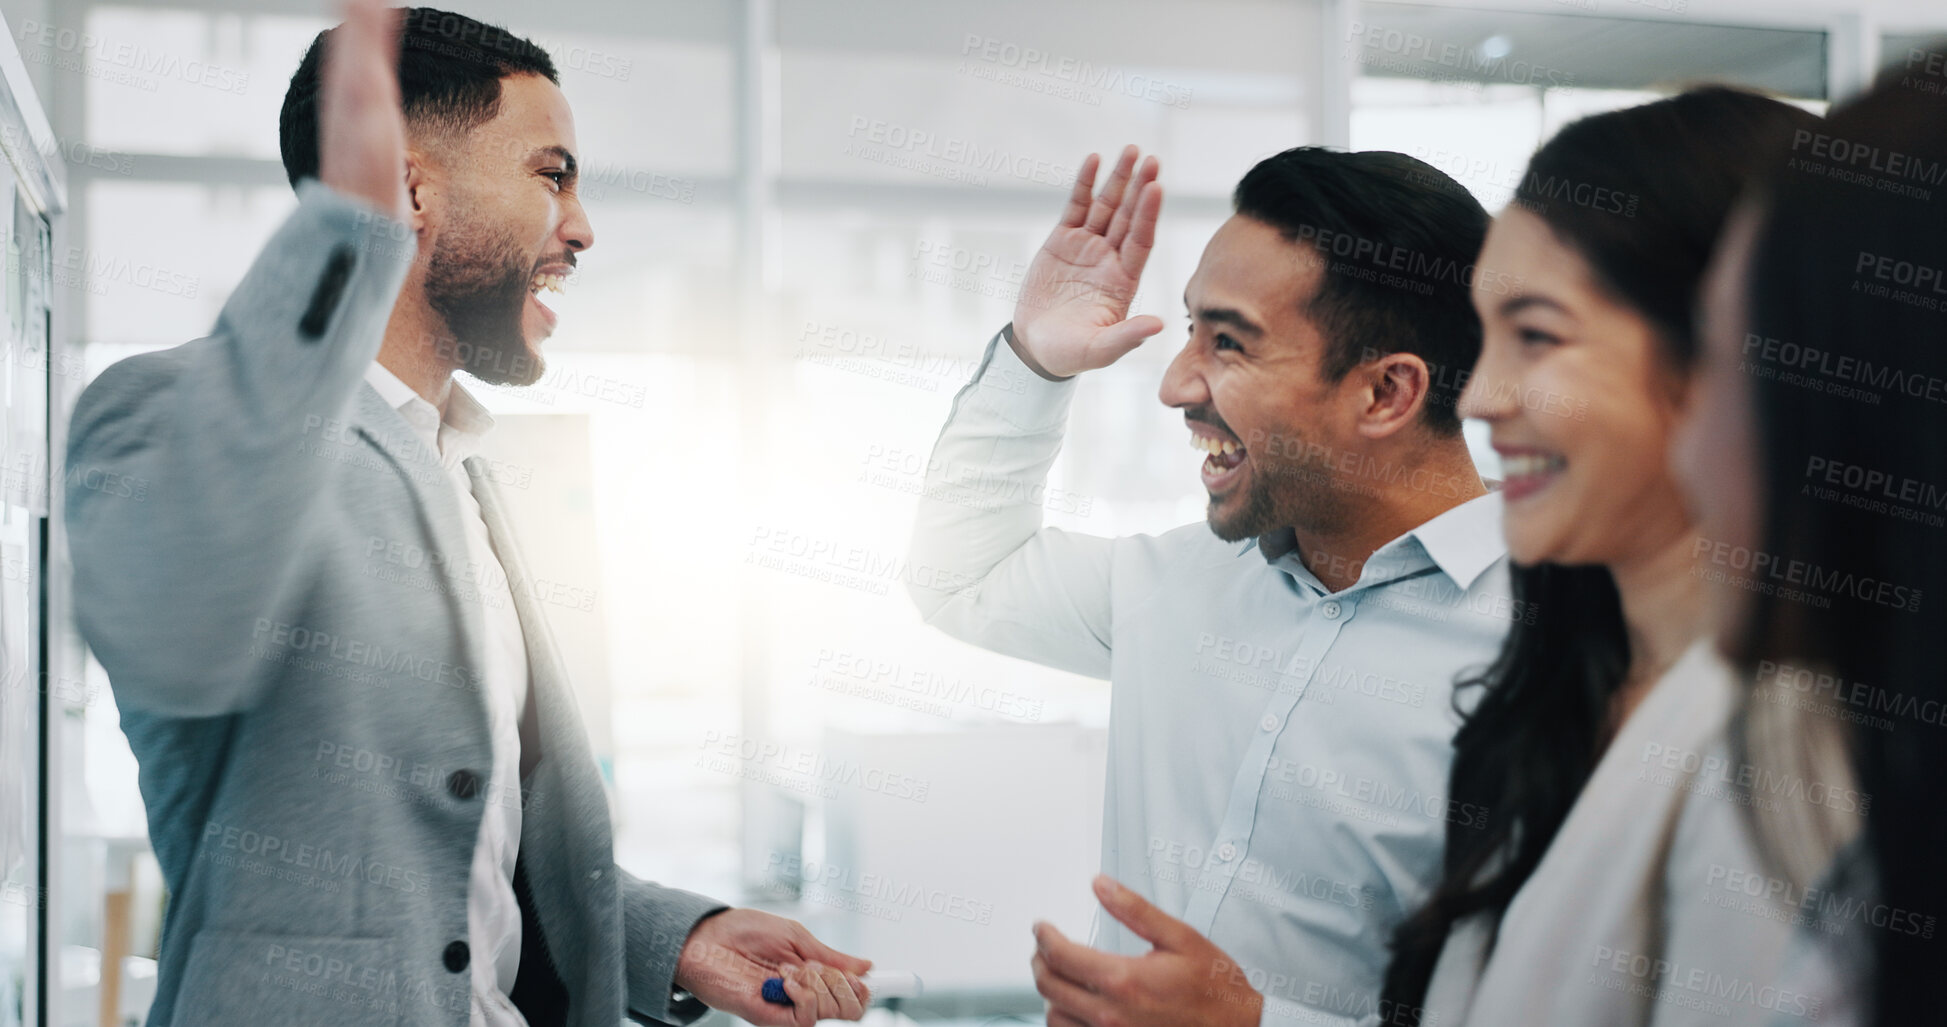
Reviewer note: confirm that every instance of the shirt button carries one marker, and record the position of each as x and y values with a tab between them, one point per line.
1226	851
1330	608
456	956
463	784
1269	723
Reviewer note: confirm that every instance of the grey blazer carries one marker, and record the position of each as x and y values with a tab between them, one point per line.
259	550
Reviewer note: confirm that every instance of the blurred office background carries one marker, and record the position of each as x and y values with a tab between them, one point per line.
810	217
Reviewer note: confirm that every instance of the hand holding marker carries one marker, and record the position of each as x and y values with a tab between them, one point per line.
881	983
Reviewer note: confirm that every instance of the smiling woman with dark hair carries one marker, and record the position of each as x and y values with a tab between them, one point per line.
1589	739
1836	465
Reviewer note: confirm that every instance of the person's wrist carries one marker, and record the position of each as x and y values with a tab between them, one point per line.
1021	350
685	959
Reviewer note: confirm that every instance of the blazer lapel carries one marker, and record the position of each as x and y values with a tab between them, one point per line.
418	464
432	495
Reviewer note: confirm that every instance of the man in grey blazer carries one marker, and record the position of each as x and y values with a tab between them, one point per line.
371	794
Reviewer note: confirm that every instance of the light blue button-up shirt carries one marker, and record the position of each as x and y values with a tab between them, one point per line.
1278	753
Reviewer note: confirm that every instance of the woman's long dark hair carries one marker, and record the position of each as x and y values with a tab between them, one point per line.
1641	194
1840	262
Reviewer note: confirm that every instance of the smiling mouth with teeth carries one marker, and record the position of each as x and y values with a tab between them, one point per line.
1223	454
1526	473
548	280
1529	465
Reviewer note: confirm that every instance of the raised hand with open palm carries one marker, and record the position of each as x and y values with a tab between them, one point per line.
1073	311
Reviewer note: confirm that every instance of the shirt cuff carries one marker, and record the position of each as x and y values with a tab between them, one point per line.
1006	387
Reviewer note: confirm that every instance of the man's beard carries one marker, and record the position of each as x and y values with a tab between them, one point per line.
477	282
1280	491
1257	516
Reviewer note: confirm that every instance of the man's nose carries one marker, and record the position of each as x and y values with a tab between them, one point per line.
1183	384
576	231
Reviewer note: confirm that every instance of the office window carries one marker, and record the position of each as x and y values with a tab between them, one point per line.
178	82
1919	56
1473	93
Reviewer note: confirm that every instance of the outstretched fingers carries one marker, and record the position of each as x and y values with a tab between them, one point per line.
1135	246
1126	210
1103	210
1083	192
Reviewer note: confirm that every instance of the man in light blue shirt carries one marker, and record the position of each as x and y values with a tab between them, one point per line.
1282	703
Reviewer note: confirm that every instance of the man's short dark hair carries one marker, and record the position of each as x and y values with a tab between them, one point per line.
450	67
1398	239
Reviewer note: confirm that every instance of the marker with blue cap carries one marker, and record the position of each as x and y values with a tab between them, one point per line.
883	984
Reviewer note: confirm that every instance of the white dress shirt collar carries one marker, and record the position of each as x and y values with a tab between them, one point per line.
458	433
1463	542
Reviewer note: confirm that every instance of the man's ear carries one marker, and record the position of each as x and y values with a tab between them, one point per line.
420	190
1396	387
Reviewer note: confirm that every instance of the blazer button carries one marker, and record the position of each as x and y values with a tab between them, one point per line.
456	956
464	784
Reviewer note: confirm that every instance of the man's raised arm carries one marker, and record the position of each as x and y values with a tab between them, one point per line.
204	531
983	569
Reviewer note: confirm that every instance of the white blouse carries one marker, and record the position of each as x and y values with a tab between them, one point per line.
1652	905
